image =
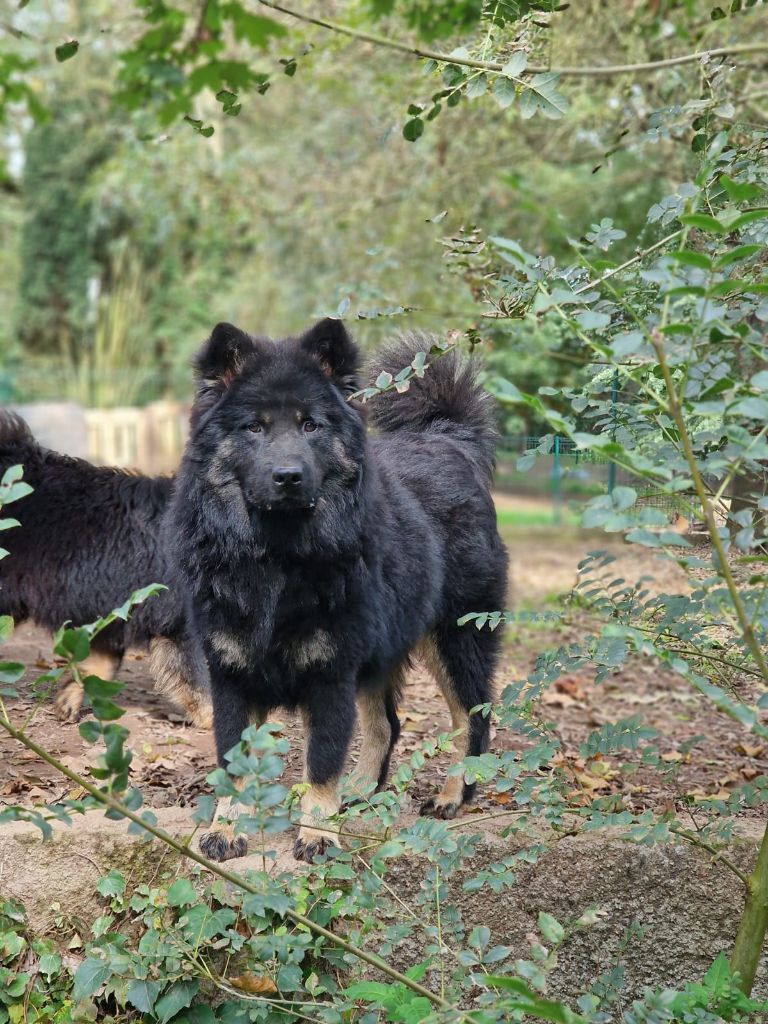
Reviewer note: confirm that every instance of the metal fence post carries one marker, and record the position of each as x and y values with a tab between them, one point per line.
556	494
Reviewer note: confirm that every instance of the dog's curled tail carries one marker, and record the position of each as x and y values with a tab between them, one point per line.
447	399
14	430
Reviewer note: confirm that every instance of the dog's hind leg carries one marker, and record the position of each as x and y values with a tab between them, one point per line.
181	675
462	662
379	730
69	698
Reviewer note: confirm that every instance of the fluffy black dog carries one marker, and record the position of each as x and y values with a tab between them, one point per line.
90	536
318	558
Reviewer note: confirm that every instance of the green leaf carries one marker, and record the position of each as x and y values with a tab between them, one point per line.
592	321
748	218
182	893
516	64
477	86
533	1004
89	977
73	643
623	498
6	627
504	91
143	994
413	129
112	884
11	671
67	50
739	192
692	259
741	252
550	928
177	997
370	991
703	222
541	94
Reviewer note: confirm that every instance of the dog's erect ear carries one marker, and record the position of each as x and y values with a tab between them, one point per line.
221	359
329	342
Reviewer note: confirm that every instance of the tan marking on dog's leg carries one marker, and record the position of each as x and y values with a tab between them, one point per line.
376	733
319	803
447	802
69	699
167	665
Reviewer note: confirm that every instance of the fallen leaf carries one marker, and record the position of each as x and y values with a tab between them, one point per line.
501	798
254	984
750	751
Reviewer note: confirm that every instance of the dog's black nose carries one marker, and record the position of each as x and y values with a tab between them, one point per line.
287	476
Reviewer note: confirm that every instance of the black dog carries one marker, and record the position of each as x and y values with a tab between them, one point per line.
90	536
318	559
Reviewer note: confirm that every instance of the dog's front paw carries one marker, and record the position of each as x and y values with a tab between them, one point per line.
223	844
314	842
436	807
68	702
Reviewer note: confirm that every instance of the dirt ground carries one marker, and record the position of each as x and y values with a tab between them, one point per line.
172	758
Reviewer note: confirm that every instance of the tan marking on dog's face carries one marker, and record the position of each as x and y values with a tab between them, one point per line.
317	649
230	649
167	665
348	464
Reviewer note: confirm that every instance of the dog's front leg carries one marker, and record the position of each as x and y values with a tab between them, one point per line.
329	721
231	714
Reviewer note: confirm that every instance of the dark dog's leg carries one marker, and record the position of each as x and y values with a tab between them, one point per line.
181	675
103	662
461	661
231	714
379	730
329	720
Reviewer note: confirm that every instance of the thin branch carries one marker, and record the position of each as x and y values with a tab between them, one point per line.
630	262
607	70
695	840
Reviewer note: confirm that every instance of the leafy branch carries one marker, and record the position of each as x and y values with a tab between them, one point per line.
601	71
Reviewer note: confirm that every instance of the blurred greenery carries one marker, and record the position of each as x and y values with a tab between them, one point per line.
130	228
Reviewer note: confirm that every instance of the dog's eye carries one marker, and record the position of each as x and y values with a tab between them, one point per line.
255	428
308	426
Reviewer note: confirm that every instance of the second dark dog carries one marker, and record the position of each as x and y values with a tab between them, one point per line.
89	537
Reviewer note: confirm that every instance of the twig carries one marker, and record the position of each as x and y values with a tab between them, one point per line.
695	840
490	65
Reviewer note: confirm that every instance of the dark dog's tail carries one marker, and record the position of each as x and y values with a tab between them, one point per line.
448	399
14	430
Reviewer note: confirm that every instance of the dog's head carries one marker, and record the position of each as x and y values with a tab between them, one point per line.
273	417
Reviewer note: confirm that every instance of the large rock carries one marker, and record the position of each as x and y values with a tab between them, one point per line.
683	908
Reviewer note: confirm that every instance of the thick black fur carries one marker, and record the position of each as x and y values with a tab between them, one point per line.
90	536
318	557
